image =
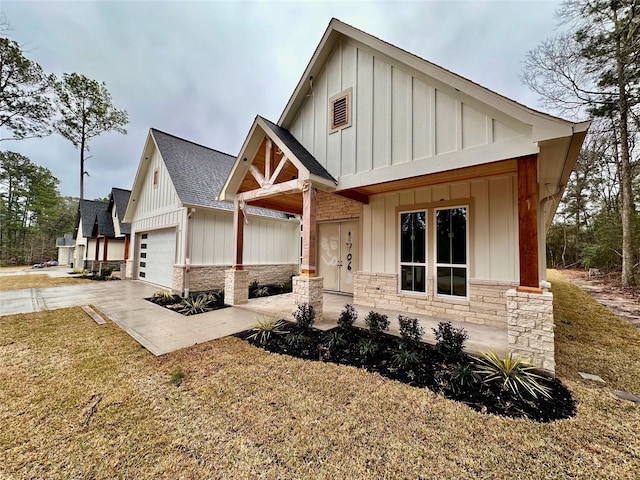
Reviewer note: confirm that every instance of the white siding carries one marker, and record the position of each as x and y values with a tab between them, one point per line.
266	241
493	224
403	122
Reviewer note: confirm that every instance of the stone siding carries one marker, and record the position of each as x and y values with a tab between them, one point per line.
530	327
128	273
335	207
487	303
236	287
309	290
212	277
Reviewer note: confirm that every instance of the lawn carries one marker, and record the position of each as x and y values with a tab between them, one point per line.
80	400
36	280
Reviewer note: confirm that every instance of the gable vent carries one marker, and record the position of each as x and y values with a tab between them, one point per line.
339	110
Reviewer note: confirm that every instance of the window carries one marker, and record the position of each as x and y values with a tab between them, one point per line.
143	264
413	259
340	111
156	176
451	251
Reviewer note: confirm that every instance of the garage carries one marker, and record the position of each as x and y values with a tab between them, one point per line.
157	251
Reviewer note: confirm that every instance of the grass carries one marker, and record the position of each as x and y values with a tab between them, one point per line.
36	280
85	401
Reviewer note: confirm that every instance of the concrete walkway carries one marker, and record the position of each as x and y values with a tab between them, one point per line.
157	329
161	331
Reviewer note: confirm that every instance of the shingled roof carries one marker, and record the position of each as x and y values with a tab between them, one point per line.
198	173
92	212
299	151
120	198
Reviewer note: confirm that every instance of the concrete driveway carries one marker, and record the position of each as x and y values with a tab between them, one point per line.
157	329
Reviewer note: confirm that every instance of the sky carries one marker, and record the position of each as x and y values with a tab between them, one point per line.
202	70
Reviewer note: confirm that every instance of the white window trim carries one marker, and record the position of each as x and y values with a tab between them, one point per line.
447	265
345	93
413	264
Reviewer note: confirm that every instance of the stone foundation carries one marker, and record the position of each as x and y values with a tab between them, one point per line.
486	305
236	287
128	270
212	277
309	290
530	327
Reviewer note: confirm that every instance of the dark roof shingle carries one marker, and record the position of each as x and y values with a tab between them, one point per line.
198	173
120	198
92	211
299	151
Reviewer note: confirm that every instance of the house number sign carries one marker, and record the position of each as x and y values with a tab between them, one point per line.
349	254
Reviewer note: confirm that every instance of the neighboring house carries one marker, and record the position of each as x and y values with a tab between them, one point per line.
182	235
420	191
66	248
102	239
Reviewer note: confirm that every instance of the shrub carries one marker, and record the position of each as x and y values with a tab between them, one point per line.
410	331
304	315
333	340
192	305
450	342
405	360
177	375
163	297
347	317
368	348
296	340
377	323
512	374
265	327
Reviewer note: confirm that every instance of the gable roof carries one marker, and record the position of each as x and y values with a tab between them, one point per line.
92	213
197	173
545	126
301	153
120	198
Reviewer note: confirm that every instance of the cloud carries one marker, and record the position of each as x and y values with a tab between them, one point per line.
203	70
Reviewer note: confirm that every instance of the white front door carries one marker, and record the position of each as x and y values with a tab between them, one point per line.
338	255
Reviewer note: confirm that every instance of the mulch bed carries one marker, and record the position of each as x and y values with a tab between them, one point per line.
430	372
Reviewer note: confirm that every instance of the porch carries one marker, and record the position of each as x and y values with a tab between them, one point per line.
482	338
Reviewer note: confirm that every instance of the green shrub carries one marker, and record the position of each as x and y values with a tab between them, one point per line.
177	375
410	331
304	315
334	339
377	323
513	374
450	342
296	340
347	317
368	348
405	360
193	305
163	297
265	327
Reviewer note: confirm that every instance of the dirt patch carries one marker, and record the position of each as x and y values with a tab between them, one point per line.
607	290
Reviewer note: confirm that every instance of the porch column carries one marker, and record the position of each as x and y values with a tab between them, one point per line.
127	242
236	279
105	248
307	287
528	224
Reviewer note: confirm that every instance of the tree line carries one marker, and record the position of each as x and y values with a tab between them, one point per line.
593	69
35	104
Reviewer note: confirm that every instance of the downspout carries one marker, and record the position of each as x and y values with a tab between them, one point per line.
187	247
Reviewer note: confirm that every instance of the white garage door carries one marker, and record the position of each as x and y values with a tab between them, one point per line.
157	254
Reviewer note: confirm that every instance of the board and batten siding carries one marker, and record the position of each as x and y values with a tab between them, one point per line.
403	122
266	240
493	226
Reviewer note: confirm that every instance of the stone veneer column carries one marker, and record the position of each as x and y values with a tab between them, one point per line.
236	287
530	327
308	289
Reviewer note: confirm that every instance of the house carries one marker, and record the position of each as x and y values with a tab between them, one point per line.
182	234
420	191
66	246
102	238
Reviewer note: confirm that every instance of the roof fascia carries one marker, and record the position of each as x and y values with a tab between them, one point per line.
239	170
138	182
